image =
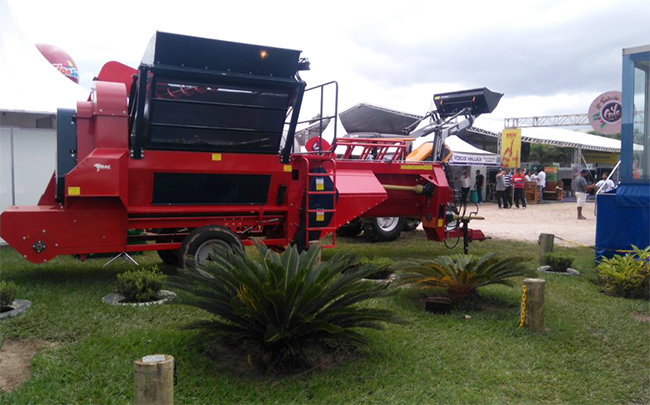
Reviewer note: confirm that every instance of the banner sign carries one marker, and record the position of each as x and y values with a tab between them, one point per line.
605	113
511	147
600	157
467	159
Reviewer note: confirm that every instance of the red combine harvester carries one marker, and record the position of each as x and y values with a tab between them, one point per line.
196	150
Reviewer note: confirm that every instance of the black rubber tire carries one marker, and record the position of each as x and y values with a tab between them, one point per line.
169	257
373	232
351	229
200	236
411	224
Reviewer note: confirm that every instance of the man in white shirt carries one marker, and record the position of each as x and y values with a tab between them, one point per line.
606	185
465	185
541	182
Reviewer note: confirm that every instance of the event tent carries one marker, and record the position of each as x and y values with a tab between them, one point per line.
32	90
464	154
28	81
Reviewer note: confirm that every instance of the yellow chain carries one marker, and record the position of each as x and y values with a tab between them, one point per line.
522	317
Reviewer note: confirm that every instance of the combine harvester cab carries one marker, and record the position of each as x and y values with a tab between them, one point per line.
195	152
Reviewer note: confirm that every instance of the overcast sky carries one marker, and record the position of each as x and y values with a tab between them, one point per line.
548	57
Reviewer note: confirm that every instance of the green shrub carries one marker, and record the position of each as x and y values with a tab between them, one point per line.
140	285
627	276
557	262
280	307
8	292
382	265
461	275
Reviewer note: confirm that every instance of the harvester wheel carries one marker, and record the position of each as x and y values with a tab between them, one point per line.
203	242
383	229
351	229
169	257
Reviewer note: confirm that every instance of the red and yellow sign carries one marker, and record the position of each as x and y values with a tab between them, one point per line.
511	147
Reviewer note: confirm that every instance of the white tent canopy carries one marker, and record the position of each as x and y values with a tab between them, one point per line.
28	81
464	154
558	137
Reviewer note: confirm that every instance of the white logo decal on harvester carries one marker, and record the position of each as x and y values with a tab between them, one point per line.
100	166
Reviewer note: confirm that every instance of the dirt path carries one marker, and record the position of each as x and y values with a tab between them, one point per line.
15	361
526	225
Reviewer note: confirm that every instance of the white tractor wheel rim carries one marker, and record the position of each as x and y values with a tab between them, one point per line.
387	224
207	248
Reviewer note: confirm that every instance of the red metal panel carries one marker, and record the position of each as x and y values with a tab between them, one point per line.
87	225
359	191
103	173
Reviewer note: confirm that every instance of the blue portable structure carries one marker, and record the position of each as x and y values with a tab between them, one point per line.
624	213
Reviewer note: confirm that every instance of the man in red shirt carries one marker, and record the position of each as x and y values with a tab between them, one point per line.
519	180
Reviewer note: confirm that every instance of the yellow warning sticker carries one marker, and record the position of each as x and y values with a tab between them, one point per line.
74	190
287	168
416	167
216	157
440	223
320	184
320	216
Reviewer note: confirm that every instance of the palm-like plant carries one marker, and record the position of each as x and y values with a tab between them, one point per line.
461	275
279	306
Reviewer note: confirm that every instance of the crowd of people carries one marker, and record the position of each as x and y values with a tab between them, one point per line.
511	187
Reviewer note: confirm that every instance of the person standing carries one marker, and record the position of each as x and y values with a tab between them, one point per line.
580	188
501	189
519	181
478	183
541	183
465	185
507	177
607	185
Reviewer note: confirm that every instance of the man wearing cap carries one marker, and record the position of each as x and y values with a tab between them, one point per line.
580	188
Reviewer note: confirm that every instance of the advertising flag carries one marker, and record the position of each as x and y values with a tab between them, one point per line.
511	147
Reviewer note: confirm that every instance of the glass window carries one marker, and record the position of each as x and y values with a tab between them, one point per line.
641	155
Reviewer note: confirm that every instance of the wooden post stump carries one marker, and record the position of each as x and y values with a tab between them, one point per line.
153	380
533	308
315	244
545	243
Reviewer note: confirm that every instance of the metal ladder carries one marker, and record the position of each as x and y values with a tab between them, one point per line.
320	161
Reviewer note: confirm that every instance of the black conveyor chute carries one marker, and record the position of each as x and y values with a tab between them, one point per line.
479	101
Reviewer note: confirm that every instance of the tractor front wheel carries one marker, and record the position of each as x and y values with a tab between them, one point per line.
383	229
206	241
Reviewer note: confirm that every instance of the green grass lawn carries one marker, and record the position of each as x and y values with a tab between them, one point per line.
595	353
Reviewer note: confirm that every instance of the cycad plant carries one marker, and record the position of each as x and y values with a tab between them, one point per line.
279	306
461	275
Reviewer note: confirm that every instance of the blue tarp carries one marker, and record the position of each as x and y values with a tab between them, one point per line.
623	219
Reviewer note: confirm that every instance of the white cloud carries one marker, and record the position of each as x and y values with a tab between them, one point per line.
548	56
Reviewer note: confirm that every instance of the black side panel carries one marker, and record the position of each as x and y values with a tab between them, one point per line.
209	189
66	148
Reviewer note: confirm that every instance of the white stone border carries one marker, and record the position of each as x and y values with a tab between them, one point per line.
115	298
19	306
568	272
